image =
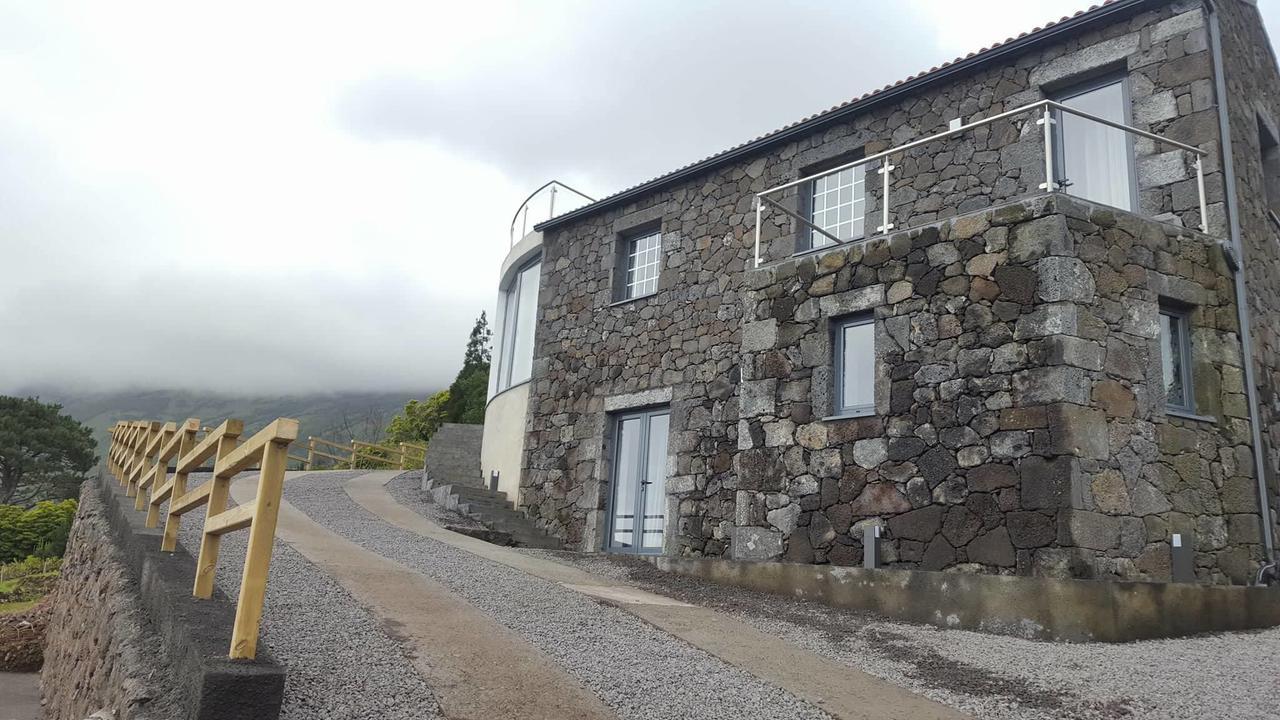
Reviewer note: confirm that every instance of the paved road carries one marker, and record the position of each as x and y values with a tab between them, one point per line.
19	696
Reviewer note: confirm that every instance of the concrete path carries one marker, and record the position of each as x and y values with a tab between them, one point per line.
19	696
477	669
842	691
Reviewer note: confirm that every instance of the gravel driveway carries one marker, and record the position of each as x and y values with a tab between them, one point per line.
637	670
992	676
342	665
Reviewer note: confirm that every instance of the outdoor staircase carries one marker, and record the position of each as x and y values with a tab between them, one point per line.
452	480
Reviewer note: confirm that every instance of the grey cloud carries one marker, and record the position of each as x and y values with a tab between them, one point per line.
640	88
234	334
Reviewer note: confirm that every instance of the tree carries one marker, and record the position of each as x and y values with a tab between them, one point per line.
420	420
44	454
470	388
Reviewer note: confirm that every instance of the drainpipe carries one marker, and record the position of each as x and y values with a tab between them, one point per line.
1242	304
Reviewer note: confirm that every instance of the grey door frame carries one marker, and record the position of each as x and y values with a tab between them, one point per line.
1059	144
615	424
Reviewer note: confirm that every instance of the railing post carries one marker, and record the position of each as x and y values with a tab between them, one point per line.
257	557
311	454
404	457
1049	183
885	170
1204	208
219	491
759	213
353	453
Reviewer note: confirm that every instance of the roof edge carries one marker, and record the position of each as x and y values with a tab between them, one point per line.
968	64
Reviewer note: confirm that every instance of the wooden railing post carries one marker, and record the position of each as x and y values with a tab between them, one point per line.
219	490
149	469
404	457
257	559
311	454
161	488
354	455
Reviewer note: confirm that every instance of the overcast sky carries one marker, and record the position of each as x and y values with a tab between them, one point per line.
291	197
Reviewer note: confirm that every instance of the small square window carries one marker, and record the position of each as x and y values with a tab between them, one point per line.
1175	360
643	259
836	204
854	360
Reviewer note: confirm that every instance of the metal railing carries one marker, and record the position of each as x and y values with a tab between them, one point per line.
550	190
1047	109
139	458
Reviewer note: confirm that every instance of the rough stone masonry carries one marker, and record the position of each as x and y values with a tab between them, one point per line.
1019	425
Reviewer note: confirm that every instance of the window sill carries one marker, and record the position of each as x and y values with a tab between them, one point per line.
850	415
624	301
1187	415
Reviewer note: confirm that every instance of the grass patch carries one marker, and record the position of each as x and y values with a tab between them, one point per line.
12	608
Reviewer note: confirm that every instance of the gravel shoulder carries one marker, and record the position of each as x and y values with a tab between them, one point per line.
990	676
637	670
342	664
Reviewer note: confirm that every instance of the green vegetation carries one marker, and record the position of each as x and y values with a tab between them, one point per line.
23	583
44	453
37	532
463	402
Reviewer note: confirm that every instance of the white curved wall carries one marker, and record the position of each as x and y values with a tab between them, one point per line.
503	444
502	448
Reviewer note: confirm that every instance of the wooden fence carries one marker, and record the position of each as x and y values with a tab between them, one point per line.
404	456
140	456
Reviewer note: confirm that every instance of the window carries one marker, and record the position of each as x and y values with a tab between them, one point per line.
643	260
854	351
520	310
1175	359
1270	150
1095	162
837	204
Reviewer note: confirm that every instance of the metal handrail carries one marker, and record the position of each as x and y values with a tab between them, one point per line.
524	206
1050	185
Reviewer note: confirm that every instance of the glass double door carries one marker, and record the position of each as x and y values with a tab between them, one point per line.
638	507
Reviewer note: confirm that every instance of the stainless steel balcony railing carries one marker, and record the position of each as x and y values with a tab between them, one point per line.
545	211
1045	108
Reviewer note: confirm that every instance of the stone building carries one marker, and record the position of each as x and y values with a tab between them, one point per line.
1006	332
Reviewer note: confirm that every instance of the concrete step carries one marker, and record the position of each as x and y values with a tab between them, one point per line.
494	511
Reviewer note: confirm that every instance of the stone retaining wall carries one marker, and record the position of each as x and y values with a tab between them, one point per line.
100	650
128	635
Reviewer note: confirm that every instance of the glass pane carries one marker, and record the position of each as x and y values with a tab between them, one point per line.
1171	359
508	334
655	493
626	481
526	314
858	366
1096	157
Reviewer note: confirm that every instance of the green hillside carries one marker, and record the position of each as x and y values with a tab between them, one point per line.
334	416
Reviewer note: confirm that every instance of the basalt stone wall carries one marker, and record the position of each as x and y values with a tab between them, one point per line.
594	355
1163	54
100	650
1020	422
1253	90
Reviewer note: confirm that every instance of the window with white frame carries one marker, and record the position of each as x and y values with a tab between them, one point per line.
837	204
1175	359
520	310
643	261
854	362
